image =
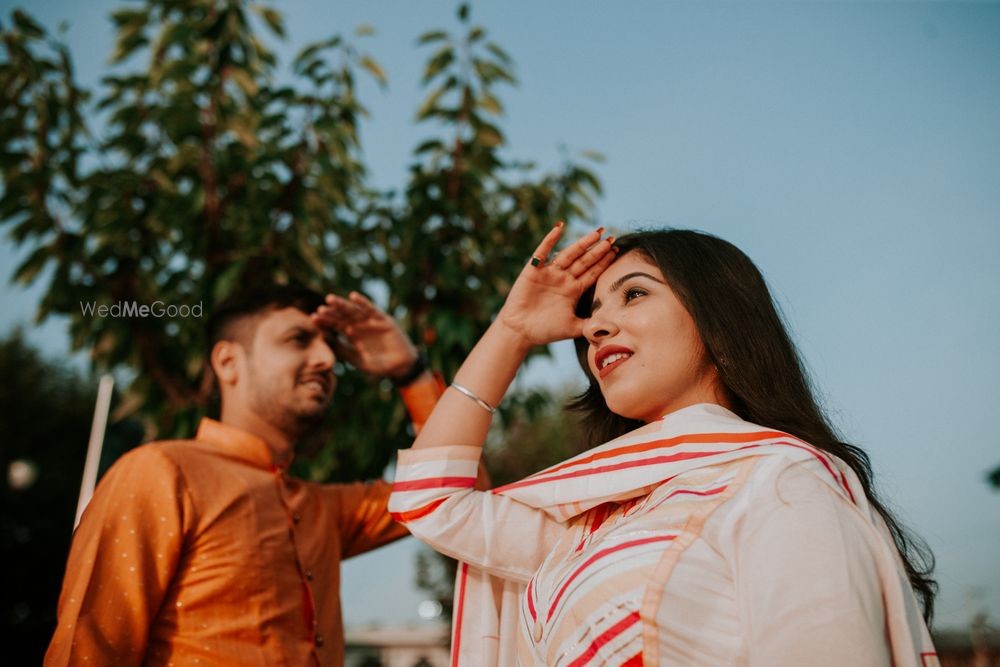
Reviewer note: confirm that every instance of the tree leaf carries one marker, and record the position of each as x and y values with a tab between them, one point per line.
490	103
490	72
272	18
32	266
373	67
429	105
432	36
26	24
244	80
489	136
129	17
245	135
428	145
438	62
499	53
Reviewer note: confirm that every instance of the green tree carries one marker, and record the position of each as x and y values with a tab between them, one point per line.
207	174
209	168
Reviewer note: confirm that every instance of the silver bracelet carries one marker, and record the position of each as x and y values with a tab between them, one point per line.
468	392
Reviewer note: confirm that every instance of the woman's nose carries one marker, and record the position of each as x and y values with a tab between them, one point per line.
597	328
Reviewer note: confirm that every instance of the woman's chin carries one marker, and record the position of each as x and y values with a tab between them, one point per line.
628	412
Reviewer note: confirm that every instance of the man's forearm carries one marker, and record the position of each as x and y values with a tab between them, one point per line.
421	395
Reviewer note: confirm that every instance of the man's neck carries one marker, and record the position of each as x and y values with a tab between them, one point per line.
279	441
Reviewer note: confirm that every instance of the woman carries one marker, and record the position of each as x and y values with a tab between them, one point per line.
721	523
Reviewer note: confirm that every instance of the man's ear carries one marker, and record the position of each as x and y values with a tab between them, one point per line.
225	362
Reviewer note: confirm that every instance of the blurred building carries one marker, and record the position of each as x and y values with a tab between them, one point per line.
421	646
977	646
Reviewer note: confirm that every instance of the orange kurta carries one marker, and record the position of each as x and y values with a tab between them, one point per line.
201	551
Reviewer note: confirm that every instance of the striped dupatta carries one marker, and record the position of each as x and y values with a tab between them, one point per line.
699	438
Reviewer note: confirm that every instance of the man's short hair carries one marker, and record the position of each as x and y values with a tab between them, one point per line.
233	318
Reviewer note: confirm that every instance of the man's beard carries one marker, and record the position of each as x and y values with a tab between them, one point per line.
294	422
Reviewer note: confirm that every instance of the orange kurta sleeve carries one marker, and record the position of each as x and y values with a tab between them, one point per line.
365	522
420	397
123	556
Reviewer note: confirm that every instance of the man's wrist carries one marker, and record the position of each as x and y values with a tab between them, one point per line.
416	369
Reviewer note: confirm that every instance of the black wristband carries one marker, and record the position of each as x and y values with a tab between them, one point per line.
415	371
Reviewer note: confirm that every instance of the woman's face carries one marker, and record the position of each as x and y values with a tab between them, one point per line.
644	350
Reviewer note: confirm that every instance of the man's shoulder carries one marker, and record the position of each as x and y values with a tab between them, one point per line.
161	453
153	469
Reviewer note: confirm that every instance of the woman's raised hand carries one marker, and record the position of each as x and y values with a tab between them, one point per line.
541	305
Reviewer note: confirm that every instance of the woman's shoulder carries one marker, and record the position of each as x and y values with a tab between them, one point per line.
787	480
789	500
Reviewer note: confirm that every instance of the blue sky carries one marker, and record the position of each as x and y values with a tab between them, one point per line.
851	149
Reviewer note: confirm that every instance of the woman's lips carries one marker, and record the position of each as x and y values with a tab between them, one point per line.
613	365
609	358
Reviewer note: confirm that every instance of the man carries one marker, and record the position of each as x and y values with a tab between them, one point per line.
206	551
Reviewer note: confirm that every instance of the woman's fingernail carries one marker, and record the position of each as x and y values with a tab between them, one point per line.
560	224
611	240
600	230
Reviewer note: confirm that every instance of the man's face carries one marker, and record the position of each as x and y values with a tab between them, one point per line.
288	370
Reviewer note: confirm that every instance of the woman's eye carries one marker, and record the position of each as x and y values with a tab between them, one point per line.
633	292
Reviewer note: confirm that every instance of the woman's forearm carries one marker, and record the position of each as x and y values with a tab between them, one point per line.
487	372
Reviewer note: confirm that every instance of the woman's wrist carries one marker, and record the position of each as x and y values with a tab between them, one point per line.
493	362
513	338
486	374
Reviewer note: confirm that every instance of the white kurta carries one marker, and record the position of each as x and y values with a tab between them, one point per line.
754	553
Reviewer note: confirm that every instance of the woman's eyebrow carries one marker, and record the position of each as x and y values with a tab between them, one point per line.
621	281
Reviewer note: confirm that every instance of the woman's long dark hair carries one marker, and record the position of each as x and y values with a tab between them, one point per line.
759	366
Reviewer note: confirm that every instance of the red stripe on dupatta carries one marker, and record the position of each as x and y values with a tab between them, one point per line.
435	483
456	645
687	439
669	458
690	492
413	515
598	556
837	475
531	603
603	638
634	661
596	521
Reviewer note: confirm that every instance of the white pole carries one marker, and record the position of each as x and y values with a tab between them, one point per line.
94	446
